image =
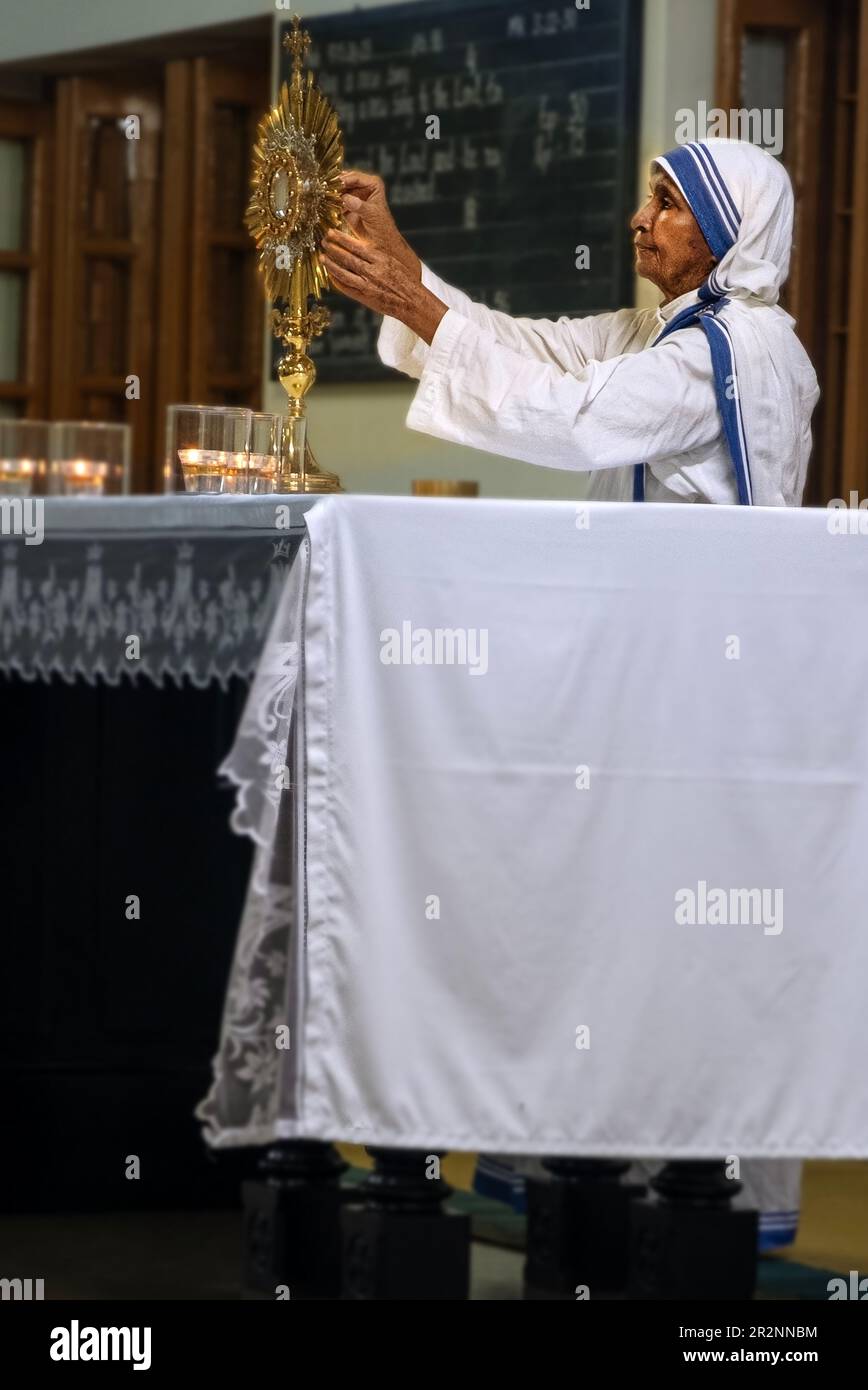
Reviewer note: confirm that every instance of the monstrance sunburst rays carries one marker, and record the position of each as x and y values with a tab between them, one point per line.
296	194
296	197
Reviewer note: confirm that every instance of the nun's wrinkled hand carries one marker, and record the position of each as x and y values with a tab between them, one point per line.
360	270
367	212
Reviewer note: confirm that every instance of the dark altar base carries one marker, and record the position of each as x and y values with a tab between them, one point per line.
108	1025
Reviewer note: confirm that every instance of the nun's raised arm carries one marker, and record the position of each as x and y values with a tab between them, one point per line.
565	342
621	411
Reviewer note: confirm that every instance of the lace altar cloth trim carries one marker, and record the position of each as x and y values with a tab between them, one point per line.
255	1082
200	606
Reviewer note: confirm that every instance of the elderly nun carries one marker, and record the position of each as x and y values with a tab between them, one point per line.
707	398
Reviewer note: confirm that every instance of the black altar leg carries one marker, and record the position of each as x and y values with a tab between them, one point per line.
578	1228
398	1242
292	1243
688	1241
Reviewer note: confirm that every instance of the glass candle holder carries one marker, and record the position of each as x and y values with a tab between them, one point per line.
291	454
206	448
89	459
24	456
265	441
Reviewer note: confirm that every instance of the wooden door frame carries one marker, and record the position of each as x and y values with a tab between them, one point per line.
173	304
841	444
854	464
214	81
806	21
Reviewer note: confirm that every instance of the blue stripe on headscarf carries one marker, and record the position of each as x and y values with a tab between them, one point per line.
704	153
707	194
719	219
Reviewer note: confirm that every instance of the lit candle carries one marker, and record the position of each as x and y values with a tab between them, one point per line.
262	468
17	475
83	477
204	469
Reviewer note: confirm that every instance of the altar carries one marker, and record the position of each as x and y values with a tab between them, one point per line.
481	871
480	909
469	919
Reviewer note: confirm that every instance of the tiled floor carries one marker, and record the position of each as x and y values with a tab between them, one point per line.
833	1231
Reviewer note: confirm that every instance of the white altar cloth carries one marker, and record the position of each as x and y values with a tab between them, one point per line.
483	944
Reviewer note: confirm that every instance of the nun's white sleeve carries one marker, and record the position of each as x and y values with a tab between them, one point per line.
629	409
568	343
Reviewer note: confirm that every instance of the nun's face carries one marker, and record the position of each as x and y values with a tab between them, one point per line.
671	251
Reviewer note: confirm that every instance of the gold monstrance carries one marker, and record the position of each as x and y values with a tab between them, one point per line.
296	196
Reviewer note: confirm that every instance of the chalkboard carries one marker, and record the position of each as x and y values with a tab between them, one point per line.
536	154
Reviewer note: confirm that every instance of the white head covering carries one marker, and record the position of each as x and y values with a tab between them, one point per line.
742	200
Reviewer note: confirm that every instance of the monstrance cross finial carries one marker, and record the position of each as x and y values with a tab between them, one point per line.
297	43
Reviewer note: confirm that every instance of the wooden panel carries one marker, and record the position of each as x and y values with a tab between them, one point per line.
63	260
105	271
32	125
226	305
